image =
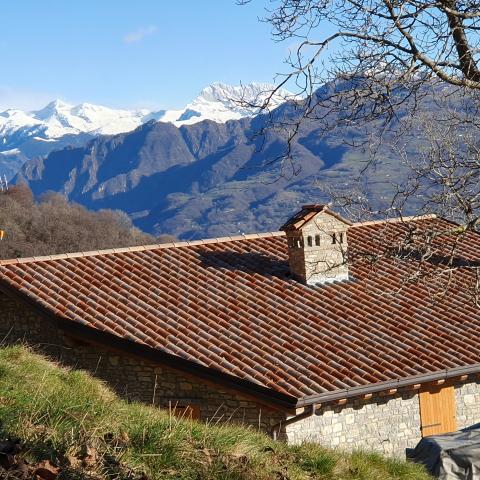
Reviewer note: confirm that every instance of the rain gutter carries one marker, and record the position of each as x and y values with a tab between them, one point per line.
388	385
312	402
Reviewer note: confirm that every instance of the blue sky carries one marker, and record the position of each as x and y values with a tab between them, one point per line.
130	53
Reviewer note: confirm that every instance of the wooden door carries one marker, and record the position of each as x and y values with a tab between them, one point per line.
191	412
437	410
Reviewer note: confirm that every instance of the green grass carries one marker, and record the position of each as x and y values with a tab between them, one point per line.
75	421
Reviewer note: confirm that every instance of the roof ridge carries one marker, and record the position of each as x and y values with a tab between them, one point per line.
395	220
141	248
205	241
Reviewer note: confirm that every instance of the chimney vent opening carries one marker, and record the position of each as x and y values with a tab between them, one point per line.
337	238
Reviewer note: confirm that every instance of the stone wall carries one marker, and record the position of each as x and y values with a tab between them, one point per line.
467	400
388	424
132	377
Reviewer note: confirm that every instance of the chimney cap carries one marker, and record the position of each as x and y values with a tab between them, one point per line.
307	213
317	207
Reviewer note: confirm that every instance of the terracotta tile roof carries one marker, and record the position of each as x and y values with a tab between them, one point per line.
229	304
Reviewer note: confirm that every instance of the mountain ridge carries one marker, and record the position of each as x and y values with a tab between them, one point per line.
210	179
26	135
198	181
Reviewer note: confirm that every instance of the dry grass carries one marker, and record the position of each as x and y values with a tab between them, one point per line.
75	421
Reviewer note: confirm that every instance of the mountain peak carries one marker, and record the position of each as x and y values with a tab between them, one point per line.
219	91
57	104
53	108
221	102
59	123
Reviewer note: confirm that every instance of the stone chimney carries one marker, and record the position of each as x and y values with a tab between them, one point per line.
317	245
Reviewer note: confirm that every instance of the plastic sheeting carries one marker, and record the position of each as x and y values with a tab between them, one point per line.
451	456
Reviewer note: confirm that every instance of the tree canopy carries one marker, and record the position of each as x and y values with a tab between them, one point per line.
55	225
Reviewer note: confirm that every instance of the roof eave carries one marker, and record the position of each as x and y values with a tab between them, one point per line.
353	392
267	395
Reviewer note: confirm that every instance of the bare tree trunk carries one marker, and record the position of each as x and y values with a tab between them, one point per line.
457	28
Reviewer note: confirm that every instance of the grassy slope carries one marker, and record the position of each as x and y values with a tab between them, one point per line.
75	421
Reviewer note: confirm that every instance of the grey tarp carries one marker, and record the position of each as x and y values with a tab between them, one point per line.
451	456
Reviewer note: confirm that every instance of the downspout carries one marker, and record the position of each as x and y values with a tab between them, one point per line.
309	411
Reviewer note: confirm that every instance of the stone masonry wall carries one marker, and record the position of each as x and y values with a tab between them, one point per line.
387	424
467	399
132	377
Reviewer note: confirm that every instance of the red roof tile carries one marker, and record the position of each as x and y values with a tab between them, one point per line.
230	305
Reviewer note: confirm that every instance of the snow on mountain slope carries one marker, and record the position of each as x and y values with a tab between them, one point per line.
217	102
59	118
25	135
220	102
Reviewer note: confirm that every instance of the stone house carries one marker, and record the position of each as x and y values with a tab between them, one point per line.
310	333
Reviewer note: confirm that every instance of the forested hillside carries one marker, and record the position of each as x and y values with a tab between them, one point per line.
52	225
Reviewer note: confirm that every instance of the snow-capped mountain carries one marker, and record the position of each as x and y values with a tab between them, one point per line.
59	118
24	135
221	102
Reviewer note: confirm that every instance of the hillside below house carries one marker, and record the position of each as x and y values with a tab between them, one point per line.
294	332
64	424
